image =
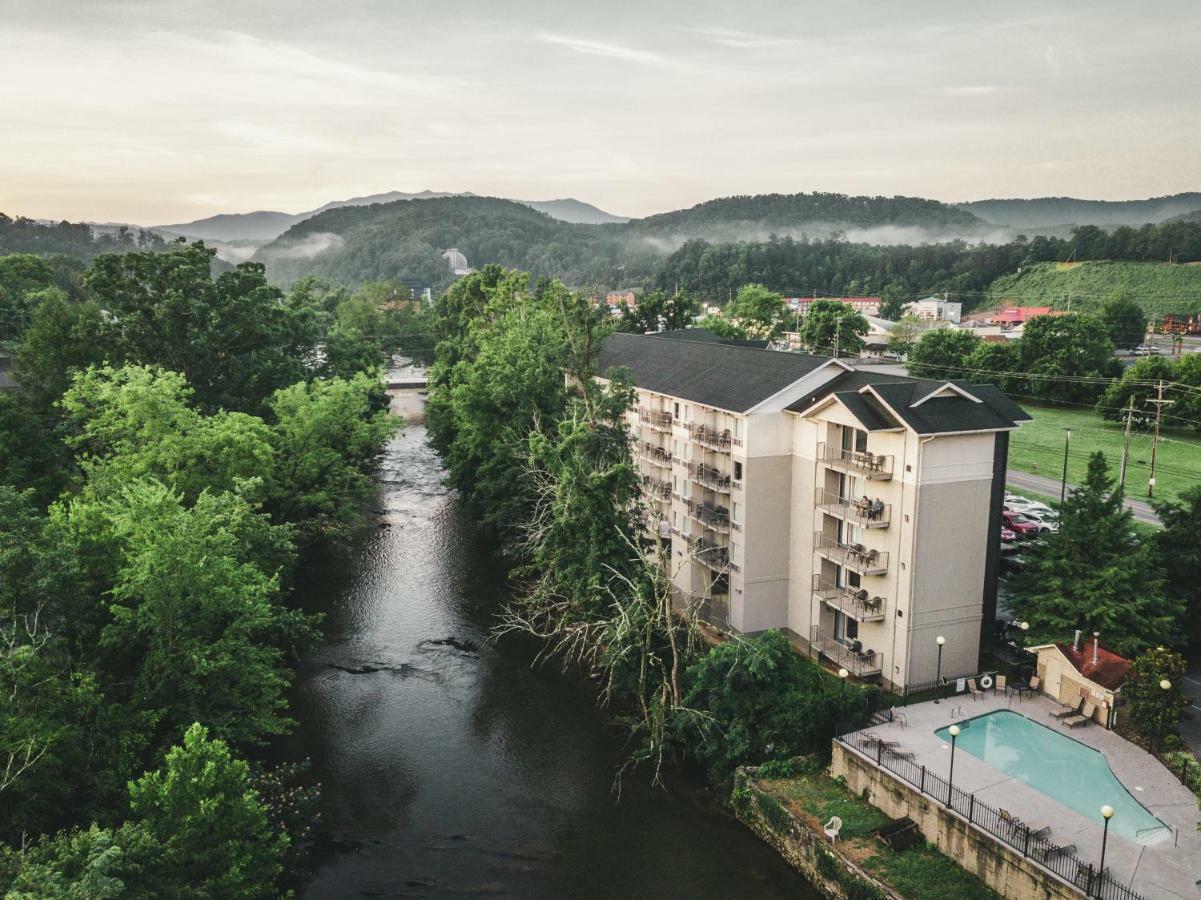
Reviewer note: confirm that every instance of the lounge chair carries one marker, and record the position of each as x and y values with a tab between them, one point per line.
1052	850
1035	681
972	689
1064	710
1084	718
1002	685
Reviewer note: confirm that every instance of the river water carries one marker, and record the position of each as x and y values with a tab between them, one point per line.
452	768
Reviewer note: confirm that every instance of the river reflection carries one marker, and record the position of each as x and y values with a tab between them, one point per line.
449	766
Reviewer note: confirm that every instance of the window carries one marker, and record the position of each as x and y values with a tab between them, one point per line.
687	413
737	470
676	449
738	428
688	452
687	489
735	554
675	519
736	513
676	407
675	484
860	441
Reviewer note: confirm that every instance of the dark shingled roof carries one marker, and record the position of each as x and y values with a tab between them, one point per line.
727	377
705	336
937	416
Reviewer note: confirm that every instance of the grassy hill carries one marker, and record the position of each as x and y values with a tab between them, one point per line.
1158	287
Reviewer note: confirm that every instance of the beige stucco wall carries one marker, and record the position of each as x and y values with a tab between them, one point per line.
764	545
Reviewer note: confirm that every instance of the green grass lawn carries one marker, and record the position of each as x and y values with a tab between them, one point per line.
1038	447
919	873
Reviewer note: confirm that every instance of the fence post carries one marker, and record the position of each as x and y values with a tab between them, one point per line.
922	787
880	754
971	807
1088	892
1026	843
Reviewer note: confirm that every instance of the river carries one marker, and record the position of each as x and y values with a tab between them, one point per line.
449	766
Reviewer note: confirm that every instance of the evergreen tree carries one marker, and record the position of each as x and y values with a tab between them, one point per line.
1179	543
1096	574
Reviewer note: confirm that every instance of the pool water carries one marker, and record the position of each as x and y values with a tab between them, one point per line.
1064	769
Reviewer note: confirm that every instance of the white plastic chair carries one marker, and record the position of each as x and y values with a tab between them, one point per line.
832	828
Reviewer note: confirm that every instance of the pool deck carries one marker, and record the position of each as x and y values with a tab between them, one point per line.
1169	868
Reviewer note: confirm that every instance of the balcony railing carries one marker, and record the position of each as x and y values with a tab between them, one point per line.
715	518
656	455
854	602
855	557
869	465
710	477
656	525
849	654
715	439
655	488
864	512
713	556
661	421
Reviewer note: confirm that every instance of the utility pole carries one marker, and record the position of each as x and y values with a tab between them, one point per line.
837	336
1160	403
1126	444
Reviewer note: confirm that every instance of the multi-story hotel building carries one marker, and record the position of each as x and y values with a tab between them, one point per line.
859	511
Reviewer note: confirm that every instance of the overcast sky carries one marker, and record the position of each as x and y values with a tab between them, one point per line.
157	111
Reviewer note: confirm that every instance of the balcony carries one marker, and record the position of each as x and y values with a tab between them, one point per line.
849	654
655	489
657	526
710	477
659	421
853	602
715	557
864	512
876	467
712	438
715	518
855	557
656	455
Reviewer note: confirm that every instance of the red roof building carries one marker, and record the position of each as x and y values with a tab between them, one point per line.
1019	315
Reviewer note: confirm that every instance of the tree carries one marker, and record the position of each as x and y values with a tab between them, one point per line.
1124	320
211	827
327	437
1096	574
1179	545
905	334
830	326
1153	712
232	337
95	863
759	311
893	302
657	311
942	354
1066	358
994	363
754	699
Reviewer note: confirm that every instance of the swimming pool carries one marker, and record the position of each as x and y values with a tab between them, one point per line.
1064	769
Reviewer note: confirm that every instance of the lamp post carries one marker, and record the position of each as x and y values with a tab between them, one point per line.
1166	686
940	640
843	674
1063	484
951	774
1106	814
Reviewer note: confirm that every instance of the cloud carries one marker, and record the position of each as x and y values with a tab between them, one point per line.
610	51
311	246
745	40
967	90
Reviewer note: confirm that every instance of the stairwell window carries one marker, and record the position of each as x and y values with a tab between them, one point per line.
737	470
736	513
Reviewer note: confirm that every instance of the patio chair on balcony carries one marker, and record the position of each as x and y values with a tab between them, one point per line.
1065	710
875	510
1085	717
870	557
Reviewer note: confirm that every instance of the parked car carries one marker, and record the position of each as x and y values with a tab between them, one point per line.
1040	509
1008	535
1145	350
1018	523
1044	522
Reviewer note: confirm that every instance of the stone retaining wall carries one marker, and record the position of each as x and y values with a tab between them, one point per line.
1003	869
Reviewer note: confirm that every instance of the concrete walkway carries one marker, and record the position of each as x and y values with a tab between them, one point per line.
1168	868
1050	487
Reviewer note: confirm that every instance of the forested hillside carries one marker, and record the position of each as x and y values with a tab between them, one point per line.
1051	211
817	214
1158	288
77	239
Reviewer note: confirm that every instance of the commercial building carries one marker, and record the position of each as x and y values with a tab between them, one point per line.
935	309
857	510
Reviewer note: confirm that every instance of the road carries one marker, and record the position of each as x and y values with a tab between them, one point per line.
1050	486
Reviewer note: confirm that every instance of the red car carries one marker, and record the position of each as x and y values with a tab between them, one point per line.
1019	524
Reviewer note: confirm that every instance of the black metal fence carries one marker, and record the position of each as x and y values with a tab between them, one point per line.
1061	861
